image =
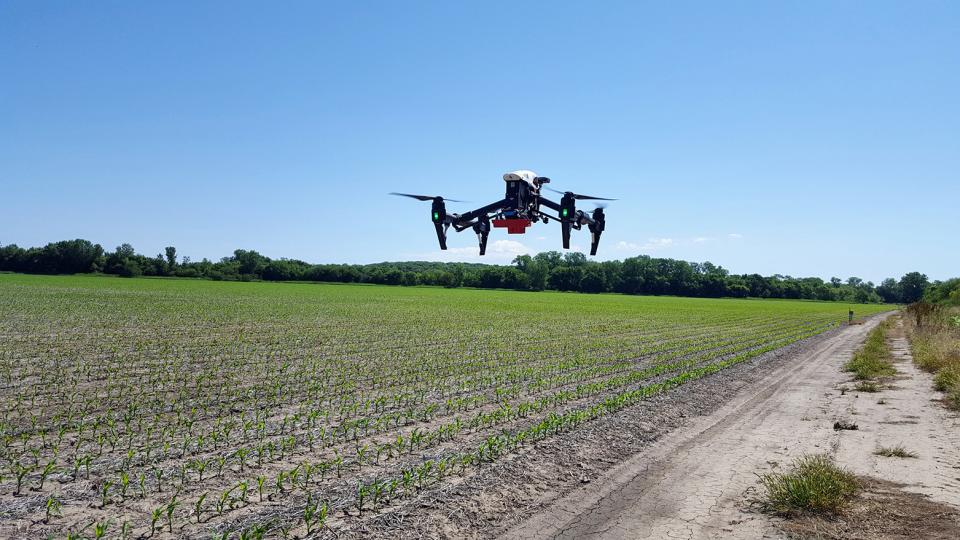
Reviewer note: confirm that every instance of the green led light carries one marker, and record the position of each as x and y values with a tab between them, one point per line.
564	212
436	216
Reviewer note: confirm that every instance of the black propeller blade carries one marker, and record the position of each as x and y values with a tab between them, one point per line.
422	197
580	197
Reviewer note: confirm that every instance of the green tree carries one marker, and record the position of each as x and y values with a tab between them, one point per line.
171	255
912	286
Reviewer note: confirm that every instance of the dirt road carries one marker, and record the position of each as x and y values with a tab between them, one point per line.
694	482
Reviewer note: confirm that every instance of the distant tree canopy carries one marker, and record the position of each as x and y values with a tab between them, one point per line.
548	270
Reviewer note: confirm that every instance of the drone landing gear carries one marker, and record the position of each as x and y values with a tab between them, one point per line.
565	228
594	240
441	234
482	228
596	229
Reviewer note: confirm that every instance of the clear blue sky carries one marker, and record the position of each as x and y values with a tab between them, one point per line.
803	138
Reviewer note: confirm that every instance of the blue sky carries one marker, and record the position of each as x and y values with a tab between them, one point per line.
802	138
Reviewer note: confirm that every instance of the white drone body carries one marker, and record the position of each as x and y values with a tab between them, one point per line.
521	176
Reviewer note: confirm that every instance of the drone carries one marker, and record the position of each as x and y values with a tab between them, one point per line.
518	210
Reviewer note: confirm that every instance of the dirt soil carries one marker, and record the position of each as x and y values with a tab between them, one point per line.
698	481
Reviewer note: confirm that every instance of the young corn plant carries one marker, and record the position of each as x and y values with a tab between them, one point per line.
100	529
105	493
170	508
310	513
155	517
49	469
198	507
53	509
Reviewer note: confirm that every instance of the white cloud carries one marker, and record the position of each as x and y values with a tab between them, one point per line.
652	244
498	252
701	239
734	236
658	243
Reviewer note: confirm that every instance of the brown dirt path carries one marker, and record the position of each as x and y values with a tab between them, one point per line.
697	481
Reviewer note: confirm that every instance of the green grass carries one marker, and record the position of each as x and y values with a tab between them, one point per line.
873	359
814	484
195	388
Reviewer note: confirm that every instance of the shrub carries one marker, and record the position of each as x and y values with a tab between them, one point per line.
814	484
895	451
947	378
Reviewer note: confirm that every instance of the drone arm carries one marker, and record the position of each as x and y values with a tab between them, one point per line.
482	211
549	204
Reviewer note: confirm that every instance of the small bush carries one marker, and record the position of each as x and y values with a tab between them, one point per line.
868	386
814	484
895	451
947	378
953	399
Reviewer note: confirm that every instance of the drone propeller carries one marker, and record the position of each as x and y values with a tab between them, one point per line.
422	197
580	197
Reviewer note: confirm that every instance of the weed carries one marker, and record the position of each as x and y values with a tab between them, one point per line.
895	451
813	484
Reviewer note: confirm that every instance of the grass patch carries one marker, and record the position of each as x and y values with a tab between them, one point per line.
947	378
873	359
895	451
814	484
868	386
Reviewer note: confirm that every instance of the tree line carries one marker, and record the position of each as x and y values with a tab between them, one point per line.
545	271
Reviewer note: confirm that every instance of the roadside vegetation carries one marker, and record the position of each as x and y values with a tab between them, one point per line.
933	330
814	484
872	361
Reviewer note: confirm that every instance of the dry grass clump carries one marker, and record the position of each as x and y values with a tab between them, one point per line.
873	359
935	345
895	451
814	484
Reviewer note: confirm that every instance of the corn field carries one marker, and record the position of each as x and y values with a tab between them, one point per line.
195	409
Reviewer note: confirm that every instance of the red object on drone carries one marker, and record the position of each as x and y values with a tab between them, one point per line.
514	226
